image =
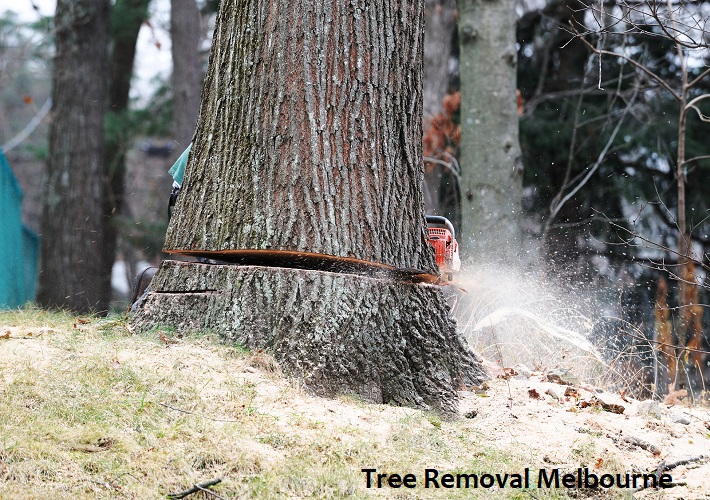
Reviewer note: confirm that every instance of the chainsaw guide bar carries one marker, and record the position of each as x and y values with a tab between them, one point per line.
312	262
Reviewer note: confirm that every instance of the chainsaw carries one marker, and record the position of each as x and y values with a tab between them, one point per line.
442	238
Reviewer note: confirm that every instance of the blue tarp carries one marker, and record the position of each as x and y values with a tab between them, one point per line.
178	169
19	247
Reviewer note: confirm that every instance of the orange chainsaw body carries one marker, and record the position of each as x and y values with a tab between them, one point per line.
442	238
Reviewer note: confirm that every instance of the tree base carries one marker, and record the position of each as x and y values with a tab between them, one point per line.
386	341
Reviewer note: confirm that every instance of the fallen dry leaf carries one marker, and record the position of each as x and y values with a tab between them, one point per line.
102	444
598	463
610	407
673	397
553	377
533	394
87	448
5	336
571	392
167	341
480	389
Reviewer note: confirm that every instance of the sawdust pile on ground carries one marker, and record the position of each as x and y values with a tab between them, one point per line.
528	413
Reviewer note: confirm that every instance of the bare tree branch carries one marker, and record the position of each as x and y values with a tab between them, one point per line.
699	78
195	488
696	158
636	64
554	210
691	105
633	235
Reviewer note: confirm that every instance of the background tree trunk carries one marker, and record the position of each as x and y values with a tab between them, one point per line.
72	274
127	17
491	168
440	26
187	69
442	195
309	141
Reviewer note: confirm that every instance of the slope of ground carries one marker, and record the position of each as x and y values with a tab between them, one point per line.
88	410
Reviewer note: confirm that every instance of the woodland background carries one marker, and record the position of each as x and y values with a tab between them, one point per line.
599	141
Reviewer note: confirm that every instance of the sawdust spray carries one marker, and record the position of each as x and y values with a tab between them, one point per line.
516	318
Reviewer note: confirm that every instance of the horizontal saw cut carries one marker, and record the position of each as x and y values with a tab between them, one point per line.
312	261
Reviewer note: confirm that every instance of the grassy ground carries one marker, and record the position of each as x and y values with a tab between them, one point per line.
89	410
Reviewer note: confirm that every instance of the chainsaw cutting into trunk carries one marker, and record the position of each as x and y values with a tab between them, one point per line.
442	238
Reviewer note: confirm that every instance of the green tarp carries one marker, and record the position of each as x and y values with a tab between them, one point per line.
19	246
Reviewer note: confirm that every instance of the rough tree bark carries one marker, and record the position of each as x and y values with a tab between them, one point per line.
307	165
491	168
187	69
72	227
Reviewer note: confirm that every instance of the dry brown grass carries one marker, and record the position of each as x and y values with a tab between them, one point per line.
88	410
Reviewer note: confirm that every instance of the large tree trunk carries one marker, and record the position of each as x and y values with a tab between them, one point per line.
491	168
310	140
307	165
187	69
72	226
